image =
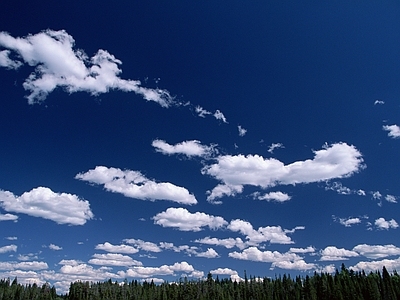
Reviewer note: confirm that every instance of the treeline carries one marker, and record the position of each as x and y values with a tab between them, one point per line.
13	290
343	284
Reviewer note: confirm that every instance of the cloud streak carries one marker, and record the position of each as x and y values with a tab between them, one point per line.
58	64
134	185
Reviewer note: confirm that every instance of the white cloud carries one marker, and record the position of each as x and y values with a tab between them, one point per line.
274	196
227	243
381	223
183	220
376	195
62	208
25	265
145	272
309	249
8	248
272	234
274	146
371	266
12	238
394	130
55	247
146	246
334	161
210	253
242	131
8	217
349	222
117	248
286	260
379	102
226	271
332	253
188	148
201	111
134	185
59	65
5	60
114	259
391	198
223	190
377	251
220	116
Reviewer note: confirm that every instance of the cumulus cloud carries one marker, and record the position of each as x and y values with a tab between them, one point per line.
58	64
210	253
371	266
274	196
394	131
8	217
114	259
227	243
8	63
226	271
286	260
381	223
309	249
377	251
188	148
145	272
62	208
182	219
116	248
332	253
272	234
142	245
8	248
391	198
55	247
334	161
134	185
25	265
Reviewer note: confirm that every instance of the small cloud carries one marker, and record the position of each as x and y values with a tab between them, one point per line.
394	130
274	196
381	223
380	102
11	238
220	116
242	131
274	146
391	198
8	217
55	247
8	248
201	111
188	148
350	221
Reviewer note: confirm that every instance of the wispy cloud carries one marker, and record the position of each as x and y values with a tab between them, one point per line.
8	217
242	131
62	208
188	148
134	185
58	64
274	146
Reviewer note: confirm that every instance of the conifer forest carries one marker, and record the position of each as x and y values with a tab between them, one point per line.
343	284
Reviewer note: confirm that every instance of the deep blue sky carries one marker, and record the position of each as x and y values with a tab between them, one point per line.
317	80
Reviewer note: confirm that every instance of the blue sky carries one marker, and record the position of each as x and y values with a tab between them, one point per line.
158	140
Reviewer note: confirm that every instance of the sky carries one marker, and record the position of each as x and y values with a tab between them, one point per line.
157	140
